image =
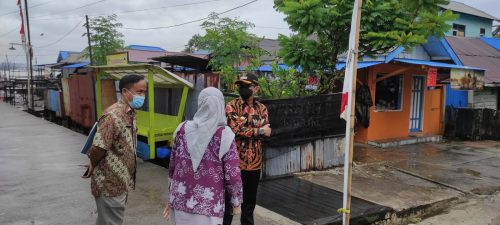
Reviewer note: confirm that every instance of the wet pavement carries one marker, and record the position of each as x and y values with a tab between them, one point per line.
484	210
40	180
40	176
468	166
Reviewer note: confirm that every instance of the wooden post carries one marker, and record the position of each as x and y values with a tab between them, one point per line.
88	38
351	69
31	106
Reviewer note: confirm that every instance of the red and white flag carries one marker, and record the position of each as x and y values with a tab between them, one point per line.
346	90
21	31
351	63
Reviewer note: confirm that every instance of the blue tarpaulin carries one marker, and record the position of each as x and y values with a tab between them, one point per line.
76	65
268	68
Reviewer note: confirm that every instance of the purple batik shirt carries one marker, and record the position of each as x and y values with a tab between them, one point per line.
202	192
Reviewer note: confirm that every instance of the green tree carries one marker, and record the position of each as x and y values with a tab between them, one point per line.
197	42
230	45
285	83
322	30
105	38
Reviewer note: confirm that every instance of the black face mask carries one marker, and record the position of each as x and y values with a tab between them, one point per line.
245	92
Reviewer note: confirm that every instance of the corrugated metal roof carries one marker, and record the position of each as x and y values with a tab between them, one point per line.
271	46
146	48
161	77
475	52
463	8
139	56
197	61
436	64
493	42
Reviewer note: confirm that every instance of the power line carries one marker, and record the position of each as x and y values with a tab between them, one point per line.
131	11
64	36
192	21
71	10
34	6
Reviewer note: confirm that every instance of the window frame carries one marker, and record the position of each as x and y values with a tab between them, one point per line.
482	32
401	95
456	28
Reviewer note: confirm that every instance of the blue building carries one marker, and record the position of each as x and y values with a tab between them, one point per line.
471	22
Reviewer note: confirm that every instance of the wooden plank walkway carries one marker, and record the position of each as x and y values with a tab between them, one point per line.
309	203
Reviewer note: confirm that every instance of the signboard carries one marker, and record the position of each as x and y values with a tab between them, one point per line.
432	77
300	120
119	58
461	79
312	83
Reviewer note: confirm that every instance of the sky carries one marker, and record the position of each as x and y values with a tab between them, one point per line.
58	24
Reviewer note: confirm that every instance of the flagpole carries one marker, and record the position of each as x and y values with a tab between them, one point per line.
350	72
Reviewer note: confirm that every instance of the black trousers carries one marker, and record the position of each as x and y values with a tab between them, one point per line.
250	181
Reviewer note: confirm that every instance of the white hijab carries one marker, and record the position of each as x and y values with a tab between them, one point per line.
211	115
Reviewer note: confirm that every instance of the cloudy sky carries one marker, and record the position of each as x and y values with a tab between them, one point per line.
58	24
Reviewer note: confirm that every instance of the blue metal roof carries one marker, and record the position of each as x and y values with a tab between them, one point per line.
64	55
268	68
146	48
76	65
361	65
439	49
435	64
493	42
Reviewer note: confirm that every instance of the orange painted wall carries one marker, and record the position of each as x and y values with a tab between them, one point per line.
395	124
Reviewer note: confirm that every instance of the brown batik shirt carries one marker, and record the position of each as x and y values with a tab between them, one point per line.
117	136
245	121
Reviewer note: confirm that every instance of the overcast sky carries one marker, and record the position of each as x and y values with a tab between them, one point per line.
59	23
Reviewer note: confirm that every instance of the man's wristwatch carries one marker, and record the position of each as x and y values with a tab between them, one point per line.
261	131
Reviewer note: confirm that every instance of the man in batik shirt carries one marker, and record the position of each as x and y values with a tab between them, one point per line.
249	121
112	156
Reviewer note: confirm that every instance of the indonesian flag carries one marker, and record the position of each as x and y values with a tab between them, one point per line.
351	62
345	97
21	31
347	89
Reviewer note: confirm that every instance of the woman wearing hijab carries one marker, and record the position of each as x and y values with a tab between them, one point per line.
204	164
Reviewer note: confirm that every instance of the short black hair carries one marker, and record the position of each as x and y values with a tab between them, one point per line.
129	80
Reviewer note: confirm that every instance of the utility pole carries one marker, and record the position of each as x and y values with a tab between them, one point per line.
88	38
29	53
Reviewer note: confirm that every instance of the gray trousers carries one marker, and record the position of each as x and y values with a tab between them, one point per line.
110	210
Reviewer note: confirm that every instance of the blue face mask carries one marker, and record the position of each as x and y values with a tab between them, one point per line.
137	101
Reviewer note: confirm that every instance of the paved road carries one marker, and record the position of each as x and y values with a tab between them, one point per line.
40	180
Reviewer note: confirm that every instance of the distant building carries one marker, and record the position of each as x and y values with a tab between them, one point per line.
471	22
